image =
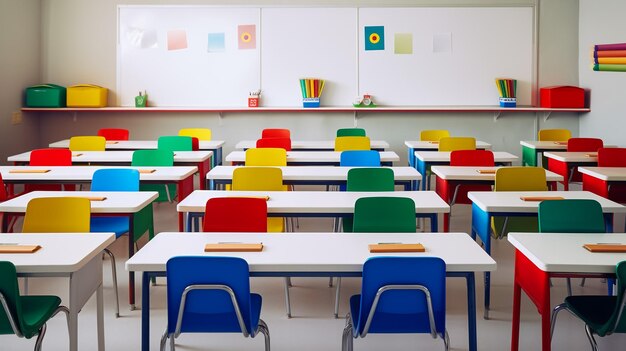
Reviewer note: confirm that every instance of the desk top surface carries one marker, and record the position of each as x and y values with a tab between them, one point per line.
544	145
119	156
85	173
605	173
315	172
115	202
434	145
312	252
570	255
311	144
472	173
139	144
568	156
444	156
312	156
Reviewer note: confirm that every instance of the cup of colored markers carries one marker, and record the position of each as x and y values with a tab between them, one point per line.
253	98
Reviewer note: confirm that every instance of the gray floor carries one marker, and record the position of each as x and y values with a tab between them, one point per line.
313	327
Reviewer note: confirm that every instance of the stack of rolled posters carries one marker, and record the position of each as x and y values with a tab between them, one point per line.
609	57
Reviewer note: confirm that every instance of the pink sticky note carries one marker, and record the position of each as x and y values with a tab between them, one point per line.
176	39
246	36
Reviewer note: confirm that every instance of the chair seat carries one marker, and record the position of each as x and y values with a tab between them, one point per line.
595	311
118	225
275	225
36	310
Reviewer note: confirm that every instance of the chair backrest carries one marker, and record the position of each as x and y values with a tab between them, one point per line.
281	143
378	272
471	158
612	157
275	133
370	179
584	144
50	157
457	143
359	158
200	133
9	288
352	143
350	132
384	214
155	157
3	192
571	216
266	157
208	310
258	178
88	143
114	133
554	135
235	214
175	143
434	134
618	318
57	215
115	179
520	179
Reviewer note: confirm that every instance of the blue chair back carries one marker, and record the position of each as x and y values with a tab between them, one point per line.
115	179
403	311
358	158
208	310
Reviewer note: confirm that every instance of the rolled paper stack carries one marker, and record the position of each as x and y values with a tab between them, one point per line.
609	57
311	87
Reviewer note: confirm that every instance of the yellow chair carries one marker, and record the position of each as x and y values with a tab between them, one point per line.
352	143
261	179
457	143
518	179
434	134
266	157
554	135
200	133
64	215
88	143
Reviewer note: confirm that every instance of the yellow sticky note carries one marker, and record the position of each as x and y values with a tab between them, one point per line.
403	43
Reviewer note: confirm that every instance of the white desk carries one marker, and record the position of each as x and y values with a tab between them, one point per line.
314	158
315	175
607	182
313	145
565	164
211	145
200	159
536	261
488	204
299	254
118	203
319	203
423	145
82	265
426	159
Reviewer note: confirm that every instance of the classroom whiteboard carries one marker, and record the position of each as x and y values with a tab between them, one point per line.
431	56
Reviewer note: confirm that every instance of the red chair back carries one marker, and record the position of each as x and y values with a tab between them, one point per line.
612	157
584	144
275	133
50	157
280	143
114	133
195	144
235	214
3	191
471	158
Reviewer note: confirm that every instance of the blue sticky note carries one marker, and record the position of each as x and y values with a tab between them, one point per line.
374	38
216	42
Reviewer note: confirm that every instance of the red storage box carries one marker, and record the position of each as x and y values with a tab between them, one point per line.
562	97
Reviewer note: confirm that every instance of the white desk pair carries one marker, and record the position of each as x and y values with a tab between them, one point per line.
313	145
311	255
424	145
314	158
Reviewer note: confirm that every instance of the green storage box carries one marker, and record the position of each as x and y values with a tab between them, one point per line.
45	95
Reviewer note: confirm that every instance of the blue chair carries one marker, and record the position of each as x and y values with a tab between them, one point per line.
211	295
119	179
359	158
399	295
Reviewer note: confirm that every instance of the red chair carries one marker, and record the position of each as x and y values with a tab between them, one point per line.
455	193
195	144
3	197
570	172
235	214
280	143
275	133
608	157
114	133
50	157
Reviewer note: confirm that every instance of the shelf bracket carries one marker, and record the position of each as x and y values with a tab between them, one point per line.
355	119
496	115
220	116
546	115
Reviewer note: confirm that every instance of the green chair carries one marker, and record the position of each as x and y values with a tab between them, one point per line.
175	143
368	179
25	315
156	158
602	314
350	132
384	214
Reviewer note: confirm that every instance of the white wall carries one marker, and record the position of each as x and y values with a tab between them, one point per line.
78	46
603	23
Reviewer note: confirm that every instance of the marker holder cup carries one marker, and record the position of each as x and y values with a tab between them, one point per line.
311	102
508	102
253	101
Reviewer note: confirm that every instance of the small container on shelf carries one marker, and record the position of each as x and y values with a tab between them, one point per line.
311	89
45	95
141	100
86	95
508	102
507	88
311	102
254	98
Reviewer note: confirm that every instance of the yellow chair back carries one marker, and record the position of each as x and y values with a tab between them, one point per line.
554	135
260	179
457	143
434	134
200	133
88	143
57	215
352	143
521	179
266	157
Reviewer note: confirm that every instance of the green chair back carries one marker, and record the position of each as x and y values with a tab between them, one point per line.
368	179
350	132
175	143
384	214
571	216
156	158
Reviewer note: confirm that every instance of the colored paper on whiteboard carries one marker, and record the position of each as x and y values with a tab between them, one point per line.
247	36
403	43
216	42
176	39
442	42
374	38
142	38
